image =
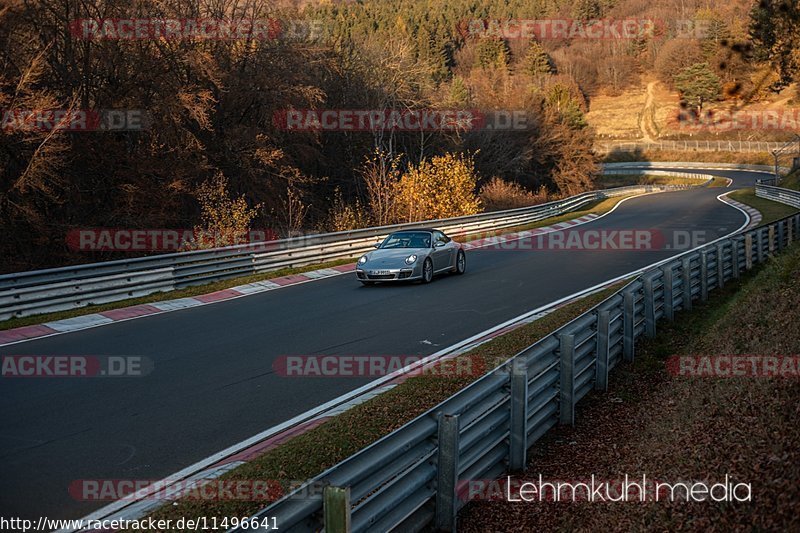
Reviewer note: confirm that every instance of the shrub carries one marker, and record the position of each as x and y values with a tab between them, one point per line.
498	194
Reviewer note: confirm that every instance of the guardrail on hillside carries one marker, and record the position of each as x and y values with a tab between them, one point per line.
413	477
57	289
778	194
608	167
700	146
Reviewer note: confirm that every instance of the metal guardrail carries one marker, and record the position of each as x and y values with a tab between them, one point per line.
608	167
41	291
413	477
700	146
778	194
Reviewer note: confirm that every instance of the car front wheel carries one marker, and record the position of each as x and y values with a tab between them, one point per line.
461	263
427	271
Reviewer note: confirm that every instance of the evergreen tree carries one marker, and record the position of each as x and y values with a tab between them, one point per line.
698	84
492	53
459	94
587	9
560	99
537	62
715	32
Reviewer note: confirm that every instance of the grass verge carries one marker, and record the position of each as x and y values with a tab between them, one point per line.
306	455
791	181
676	429
607	181
598	207
755	158
770	211
719	182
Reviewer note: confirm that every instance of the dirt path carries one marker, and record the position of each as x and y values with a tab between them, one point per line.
647	118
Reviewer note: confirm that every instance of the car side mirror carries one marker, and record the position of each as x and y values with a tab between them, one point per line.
376	245
438	244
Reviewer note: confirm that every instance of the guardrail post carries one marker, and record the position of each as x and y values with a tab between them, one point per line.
686	281
735	267
602	348
447	473
789	228
760	244
567	393
518	440
703	276
721	265
669	300
771	245
336	509
628	316
781	236
649	307
748	251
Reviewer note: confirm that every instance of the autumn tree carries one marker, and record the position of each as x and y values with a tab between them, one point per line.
225	220
381	174
775	30
439	187
675	56
344	215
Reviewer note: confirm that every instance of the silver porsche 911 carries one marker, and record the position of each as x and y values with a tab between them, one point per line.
412	255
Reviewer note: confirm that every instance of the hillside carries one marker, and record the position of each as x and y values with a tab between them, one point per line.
206	145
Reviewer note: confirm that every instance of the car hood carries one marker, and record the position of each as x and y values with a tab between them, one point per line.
393	256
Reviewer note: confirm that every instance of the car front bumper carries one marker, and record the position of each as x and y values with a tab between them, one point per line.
411	272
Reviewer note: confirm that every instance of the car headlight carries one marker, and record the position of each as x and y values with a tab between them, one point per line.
410	259
362	259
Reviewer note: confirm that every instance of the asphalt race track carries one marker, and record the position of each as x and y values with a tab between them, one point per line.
213	382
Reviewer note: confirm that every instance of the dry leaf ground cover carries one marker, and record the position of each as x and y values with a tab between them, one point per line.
676	429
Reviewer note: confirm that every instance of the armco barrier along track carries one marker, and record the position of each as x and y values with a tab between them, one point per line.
777	194
58	289
409	479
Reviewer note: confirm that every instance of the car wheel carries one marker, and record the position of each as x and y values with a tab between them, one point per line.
368	283
461	263
427	271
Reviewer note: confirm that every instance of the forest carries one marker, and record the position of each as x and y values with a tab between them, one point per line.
200	147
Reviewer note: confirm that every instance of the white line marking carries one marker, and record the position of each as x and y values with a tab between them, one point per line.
68	325
174	305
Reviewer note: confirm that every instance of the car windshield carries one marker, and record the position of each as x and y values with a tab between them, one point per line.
407	239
